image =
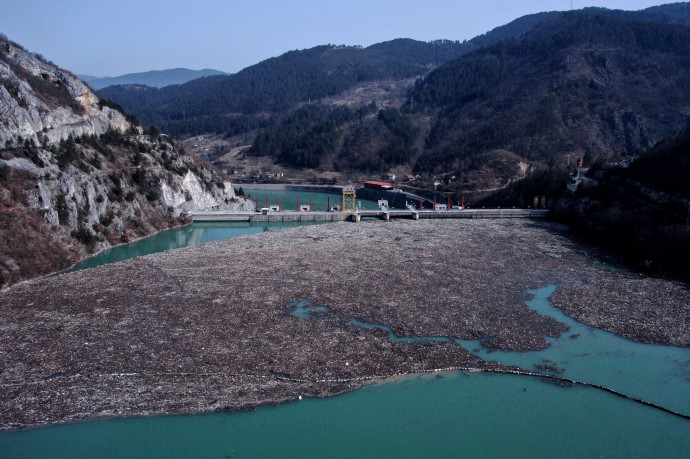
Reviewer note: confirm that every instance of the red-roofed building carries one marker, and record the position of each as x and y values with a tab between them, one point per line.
373	185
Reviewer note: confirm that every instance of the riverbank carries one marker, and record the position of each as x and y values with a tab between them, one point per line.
208	327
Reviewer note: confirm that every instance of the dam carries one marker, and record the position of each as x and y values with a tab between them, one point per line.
357	216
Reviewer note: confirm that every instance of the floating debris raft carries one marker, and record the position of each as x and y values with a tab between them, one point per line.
190	352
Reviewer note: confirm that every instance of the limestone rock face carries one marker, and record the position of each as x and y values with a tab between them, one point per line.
29	112
190	194
76	176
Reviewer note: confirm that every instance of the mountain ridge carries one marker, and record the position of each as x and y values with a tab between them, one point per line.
590	77
152	78
280	83
526	97
274	85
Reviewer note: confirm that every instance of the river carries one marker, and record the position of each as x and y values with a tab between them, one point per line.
446	414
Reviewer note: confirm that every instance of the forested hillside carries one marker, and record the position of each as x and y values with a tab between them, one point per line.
482	113
578	84
238	102
641	211
366	139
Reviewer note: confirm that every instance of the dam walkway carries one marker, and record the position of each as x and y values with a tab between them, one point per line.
357	216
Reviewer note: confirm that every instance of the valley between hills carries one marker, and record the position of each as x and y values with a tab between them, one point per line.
588	111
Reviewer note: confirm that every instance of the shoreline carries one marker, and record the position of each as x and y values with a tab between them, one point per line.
121	244
219	310
92	255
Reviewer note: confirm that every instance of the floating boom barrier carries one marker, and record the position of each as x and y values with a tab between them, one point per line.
356	379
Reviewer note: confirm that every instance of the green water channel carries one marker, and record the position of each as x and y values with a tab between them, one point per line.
198	233
655	374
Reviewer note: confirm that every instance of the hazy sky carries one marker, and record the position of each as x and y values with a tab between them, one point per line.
115	37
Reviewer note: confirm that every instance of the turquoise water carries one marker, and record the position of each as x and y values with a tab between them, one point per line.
453	416
288	199
196	233
656	374
447	414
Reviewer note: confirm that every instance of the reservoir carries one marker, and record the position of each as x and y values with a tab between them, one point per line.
289	199
196	233
445	414
454	415
201	232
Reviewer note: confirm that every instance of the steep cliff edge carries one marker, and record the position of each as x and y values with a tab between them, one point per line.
77	175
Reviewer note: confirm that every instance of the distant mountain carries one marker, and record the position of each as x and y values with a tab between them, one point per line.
587	83
153	78
230	103
220	103
86	78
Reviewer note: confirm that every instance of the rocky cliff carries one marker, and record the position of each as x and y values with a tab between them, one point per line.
38	98
77	175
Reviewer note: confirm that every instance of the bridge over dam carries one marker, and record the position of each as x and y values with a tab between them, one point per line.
357	216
